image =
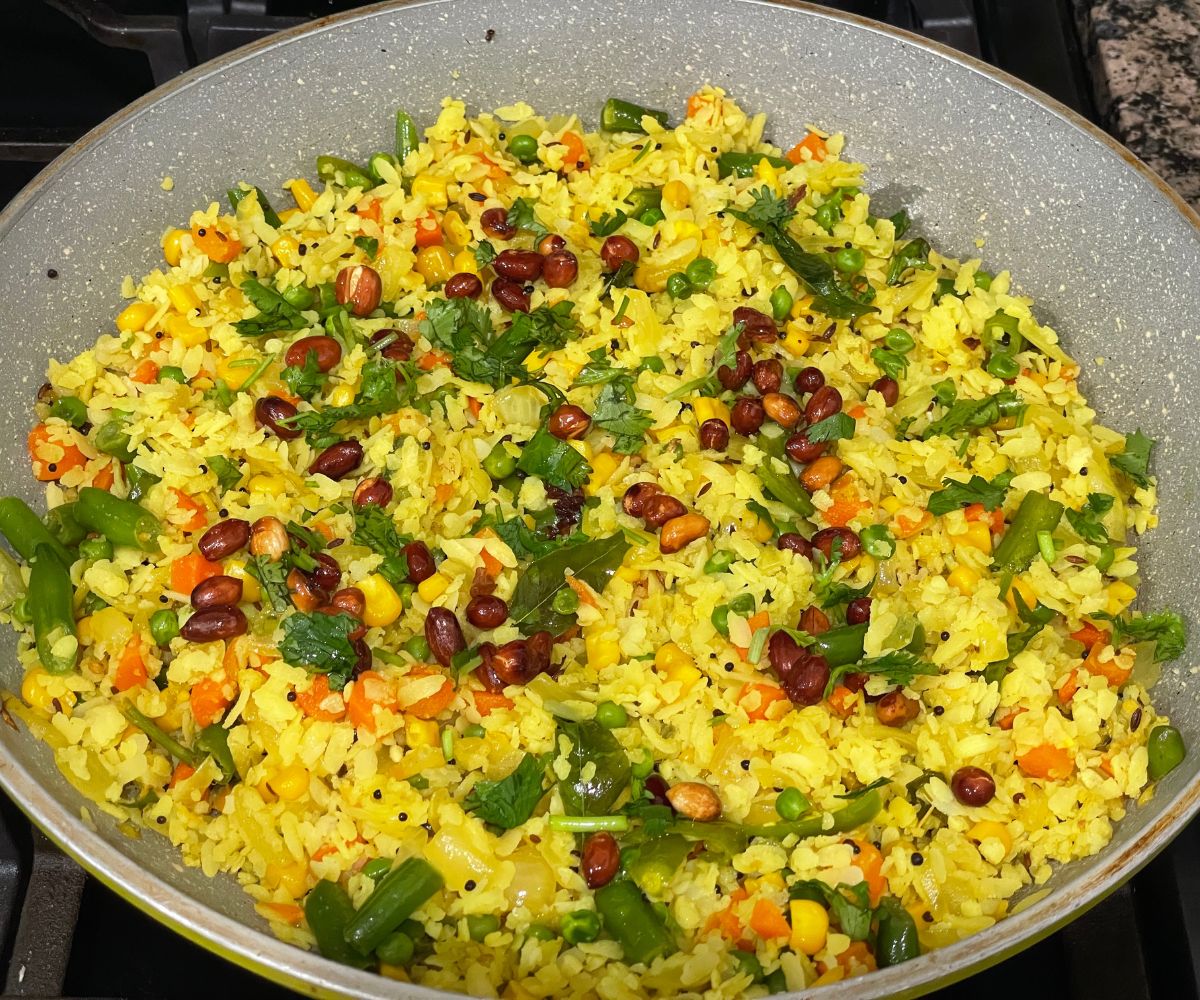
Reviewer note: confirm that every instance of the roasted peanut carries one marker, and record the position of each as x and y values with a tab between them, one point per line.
616	250
271	411
420	562
268	537
216	592
560	269
679	531
747	415
695	801
511	295
223	539
495	223
444	635
326	350
767	375
601	860
519	265
634	501
360	288
568	422
781	408
463	285
487	611
660	508
825	402
373	491
212	624
338	460
306	595
820	473
714	434
894	709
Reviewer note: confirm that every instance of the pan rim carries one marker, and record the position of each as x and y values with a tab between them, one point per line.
255	948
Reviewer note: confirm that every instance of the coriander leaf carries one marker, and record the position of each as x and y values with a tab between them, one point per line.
836	428
901	222
379	393
599	769
616	412
1086	520
896	667
553	461
622	277
456	323
608	224
842	593
272	579
304	381
320	644
914	254
375	529
520	214
710	384
274	313
766	209
593	562
892	363
529	542
1134	461
598	370
1165	629
228	473
368	245
509	802
956	495
964	414
850	904
484	253
549	327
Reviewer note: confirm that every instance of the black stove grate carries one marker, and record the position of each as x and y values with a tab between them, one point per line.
62	934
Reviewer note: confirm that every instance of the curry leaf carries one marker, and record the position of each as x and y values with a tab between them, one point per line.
914	254
532	606
599	769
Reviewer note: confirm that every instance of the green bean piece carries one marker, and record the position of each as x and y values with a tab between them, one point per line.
743	605
407	139
655	863
651	217
743	164
24	532
678	286
270	216
139	481
791	804
629	918
329	912
376	161
781	304
396	897
376	868
474	732
540	932
783	486
701	272
72	409
172	373
213	740
61	523
331	168
95	549
897	940
112	439
51	605
500	463
480	925
1037	512
849	260
841	645
122	522
624	116
589	824
611	715
580	926
161	738
398	948
719	561
164	626
1165	751
643	200
524	148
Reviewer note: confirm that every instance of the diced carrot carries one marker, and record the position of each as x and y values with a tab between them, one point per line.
1006	721
103	478
288	912
843	701
857	952
1090	635
431	360
199	513
323	529
760	619
1111	669
495	170
215	245
695	103
726	921
436	703
906	527
585	593
146	372
576	156
811	142
487	702
869	861
443	492
209	700
1047	761
767	920
131	670
1068	687
997	521
1106	765
323	851
847	503
491	565
429	231
370	210
857	411
370	689
181	773
757	699
318	702
189	570
974	511
53	453
475	406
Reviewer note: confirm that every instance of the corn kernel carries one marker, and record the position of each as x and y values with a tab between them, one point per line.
432	587
383	604
963	579
341	395
432	189
800	305
40	689
762	532
985	829
465	263
1120	596
977	536
670	655
185	332
603	467
420	732
583	448
708	408
303	193
183	298
796	339
456	232
233	375
676	195
601	648
251	591
292	879
810	926
172	245
891	504
135	317
286	250
290	782
265	484
1020	586
434	265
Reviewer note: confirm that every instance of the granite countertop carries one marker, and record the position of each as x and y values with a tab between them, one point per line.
1144	58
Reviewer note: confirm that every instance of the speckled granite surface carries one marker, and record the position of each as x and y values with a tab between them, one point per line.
1144	58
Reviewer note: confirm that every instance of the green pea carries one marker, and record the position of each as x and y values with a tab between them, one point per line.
581	926
112	439
417	647
678	286
376	868
566	601
164	626
1003	366
499	463
791	804
945	286
524	148
849	260
829	214
397	948
877	541
651	217
643	766
719	561
480	925
748	963
611	715
95	549
93	603
781	304
1165	751
474	731
71	409
983	280
701	272
899	339
540	932
172	373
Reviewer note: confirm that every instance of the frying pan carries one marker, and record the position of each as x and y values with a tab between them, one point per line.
1109	252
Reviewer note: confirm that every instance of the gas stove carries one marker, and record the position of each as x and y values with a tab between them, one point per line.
63	934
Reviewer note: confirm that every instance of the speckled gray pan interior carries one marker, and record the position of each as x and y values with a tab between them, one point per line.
1111	256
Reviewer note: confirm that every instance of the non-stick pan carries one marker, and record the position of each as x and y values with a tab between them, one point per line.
1109	252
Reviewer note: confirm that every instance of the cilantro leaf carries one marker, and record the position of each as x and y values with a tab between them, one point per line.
1134	461
598	371
1165	629
710	384
914	254
368	245
608	224
553	461
836	428
274	312
529	542
375	530
304	381
617	413
850	904
622	277
964	414
272	579
1086	520
379	393
320	644
766	209
897	667
520	214
485	253
1036	618
509	802
956	495
549	327
229	474
892	363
